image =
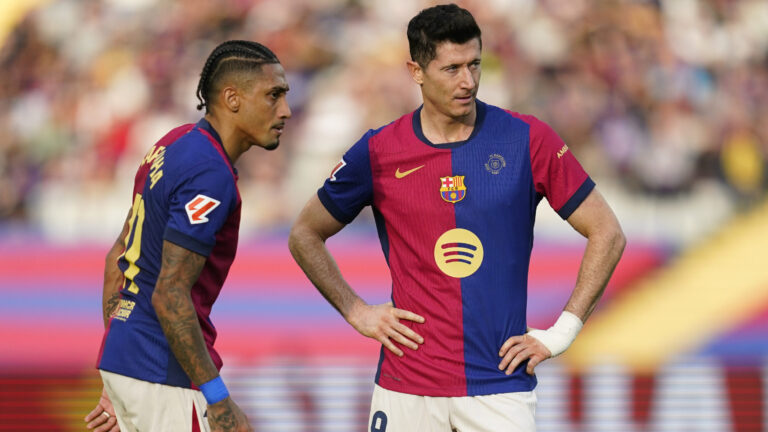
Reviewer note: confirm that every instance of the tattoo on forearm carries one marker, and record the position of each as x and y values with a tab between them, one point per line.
110	306
177	314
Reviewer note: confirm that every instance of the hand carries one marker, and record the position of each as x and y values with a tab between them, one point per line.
226	416
382	322
517	349
102	418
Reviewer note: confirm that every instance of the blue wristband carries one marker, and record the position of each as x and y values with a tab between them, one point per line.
214	390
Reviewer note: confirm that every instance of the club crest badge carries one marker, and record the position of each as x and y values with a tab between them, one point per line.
452	189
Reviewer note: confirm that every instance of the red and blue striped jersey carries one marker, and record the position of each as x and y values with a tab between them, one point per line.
455	223
185	191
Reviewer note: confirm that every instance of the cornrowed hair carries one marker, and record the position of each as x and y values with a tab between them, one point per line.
229	57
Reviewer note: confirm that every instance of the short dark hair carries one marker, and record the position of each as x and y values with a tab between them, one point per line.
442	23
230	57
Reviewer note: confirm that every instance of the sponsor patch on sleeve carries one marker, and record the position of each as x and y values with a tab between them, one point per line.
336	169
199	207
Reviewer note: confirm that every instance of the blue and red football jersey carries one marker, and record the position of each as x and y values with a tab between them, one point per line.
185	192
456	226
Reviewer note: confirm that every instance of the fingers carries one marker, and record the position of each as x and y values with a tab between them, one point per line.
407	315
532	363
512	358
101	422
109	426
410	339
94	413
509	343
390	346
518	349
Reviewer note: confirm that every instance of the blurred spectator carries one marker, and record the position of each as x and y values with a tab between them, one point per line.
655	96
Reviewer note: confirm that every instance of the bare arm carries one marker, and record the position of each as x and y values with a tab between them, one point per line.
176	312
307	244
110	298
113	277
595	220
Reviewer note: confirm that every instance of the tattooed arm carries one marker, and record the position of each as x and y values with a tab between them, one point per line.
110	298
176	313
113	277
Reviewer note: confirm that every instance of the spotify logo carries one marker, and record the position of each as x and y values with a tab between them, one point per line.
458	253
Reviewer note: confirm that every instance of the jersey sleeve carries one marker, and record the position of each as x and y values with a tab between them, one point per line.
350	186
557	174
199	206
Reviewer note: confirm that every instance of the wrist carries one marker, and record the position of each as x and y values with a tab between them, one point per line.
214	390
354	312
561	335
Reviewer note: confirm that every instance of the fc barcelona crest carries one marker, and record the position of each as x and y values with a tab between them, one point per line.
452	189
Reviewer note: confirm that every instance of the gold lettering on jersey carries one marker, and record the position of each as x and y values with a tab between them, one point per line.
124	309
562	151
155	171
152	154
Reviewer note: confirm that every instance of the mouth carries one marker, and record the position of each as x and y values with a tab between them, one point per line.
278	128
465	98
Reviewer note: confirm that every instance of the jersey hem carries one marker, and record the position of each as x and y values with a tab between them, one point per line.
459	391
333	209
179	238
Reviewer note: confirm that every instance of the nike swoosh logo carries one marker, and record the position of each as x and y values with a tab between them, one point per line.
400	175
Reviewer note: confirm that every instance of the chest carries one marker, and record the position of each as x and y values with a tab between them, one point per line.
479	177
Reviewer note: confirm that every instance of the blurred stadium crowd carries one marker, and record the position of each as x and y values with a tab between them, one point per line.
657	98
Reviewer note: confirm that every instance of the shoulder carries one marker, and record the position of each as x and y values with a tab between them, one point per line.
538	130
193	153
392	133
502	114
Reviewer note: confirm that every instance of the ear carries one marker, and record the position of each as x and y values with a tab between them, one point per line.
417	73
231	98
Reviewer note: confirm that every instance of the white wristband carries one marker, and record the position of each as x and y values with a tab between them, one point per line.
560	336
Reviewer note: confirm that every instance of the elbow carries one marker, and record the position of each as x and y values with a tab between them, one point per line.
159	301
297	239
618	240
294	240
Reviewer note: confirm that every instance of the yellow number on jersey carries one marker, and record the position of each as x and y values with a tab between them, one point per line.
134	250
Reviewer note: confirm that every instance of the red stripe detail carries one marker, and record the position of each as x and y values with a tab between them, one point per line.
433	295
642	394
195	423
201	211
745	394
219	148
576	397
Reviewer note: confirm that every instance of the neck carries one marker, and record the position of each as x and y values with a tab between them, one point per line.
441	128
231	139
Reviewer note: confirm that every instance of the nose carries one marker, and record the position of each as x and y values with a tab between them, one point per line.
284	111
467	79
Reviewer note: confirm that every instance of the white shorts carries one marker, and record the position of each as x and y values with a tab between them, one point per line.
400	412
145	406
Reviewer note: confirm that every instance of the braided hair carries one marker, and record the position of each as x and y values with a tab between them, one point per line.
229	57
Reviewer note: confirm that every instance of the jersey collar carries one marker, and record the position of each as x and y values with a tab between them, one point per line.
480	106
206	126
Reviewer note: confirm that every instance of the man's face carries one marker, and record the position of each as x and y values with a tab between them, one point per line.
451	80
264	107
